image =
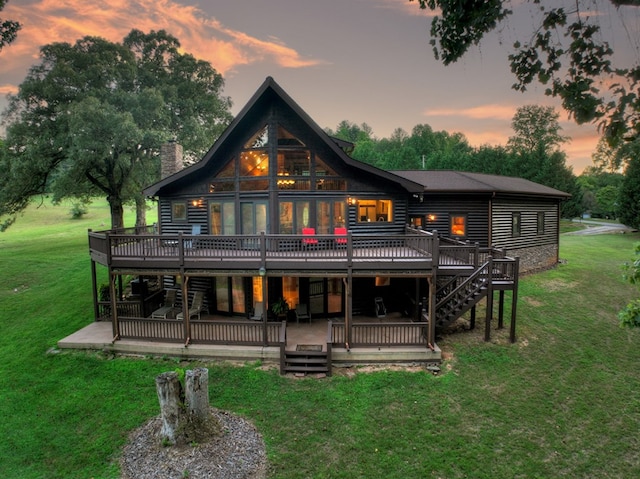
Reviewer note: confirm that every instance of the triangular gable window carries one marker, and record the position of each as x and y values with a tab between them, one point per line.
287	139
259	140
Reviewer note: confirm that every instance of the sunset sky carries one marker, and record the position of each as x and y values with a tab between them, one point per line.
365	61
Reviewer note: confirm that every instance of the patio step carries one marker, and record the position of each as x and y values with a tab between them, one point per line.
306	362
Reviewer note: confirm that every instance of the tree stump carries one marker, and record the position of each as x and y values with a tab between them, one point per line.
169	391
185	411
197	393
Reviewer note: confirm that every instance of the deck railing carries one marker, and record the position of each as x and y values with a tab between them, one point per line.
380	334
178	250
243	333
169	330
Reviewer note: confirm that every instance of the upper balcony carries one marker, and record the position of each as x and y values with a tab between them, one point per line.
416	252
143	248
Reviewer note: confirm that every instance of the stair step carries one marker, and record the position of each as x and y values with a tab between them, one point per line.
306	353
290	360
303	369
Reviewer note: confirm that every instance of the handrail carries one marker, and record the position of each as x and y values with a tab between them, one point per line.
463	287
182	248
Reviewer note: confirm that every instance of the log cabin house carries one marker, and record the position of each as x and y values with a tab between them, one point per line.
279	246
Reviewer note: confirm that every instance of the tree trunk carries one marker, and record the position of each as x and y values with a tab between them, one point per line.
169	391
197	393
117	212
186	415
141	211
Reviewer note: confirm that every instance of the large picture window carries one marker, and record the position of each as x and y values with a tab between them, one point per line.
294	215
375	210
223	217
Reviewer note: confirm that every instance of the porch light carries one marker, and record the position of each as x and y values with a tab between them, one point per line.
262	271
197	203
351	201
431	217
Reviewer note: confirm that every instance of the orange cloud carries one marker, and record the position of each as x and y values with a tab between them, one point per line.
482	112
406	6
6	89
48	21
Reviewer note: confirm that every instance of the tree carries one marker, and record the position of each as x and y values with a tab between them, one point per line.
537	156
536	128
8	28
566	54
351	132
601	191
629	199
630	315
90	118
438	150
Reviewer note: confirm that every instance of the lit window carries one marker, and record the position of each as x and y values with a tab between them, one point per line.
375	210
459	225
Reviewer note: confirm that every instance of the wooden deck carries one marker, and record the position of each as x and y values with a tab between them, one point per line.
382	340
416	252
272	252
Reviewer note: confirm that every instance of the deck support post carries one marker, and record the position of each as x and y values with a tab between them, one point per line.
185	307
431	336
416	301
349	313
265	338
501	310
115	324
489	315
514	301
94	287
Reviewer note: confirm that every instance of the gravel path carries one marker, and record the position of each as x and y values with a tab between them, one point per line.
239	453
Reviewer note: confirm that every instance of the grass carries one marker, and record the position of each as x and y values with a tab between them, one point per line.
562	402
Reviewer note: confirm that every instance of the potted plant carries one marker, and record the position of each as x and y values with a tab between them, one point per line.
280	307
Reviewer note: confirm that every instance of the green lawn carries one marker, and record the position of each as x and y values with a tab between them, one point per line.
562	402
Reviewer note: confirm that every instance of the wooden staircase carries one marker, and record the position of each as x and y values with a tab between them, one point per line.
306	362
459	295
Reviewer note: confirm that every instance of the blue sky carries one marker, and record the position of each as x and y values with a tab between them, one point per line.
358	60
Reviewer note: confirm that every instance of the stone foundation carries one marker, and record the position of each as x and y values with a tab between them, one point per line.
536	258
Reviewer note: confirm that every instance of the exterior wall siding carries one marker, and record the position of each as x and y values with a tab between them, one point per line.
536	250
475	208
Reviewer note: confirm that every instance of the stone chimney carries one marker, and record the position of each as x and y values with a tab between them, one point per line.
170	159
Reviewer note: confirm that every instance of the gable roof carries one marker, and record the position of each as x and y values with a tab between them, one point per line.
268	91
449	181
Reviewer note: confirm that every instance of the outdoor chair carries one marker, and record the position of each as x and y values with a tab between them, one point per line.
340	231
309	238
167	308
196	306
302	312
191	243
170	298
258	312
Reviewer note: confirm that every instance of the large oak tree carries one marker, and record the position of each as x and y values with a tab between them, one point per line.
90	118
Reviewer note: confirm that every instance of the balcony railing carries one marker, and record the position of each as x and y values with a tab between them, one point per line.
324	252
